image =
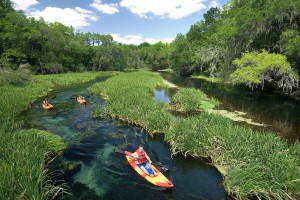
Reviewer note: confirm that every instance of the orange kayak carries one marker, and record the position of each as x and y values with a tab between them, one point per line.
81	101
49	107
159	180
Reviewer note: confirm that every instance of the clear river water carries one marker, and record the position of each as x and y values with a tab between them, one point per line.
92	170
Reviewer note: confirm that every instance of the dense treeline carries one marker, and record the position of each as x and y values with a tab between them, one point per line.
250	42
242	26
56	48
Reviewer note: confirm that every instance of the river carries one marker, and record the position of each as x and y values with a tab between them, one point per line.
277	112
91	168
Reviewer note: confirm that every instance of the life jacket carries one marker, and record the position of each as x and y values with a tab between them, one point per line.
141	156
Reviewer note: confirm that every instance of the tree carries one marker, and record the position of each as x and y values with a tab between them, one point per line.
180	55
256	68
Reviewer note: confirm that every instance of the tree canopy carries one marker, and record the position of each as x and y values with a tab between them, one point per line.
209	47
235	28
256	68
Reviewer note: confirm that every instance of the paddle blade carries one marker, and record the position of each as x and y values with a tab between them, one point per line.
119	151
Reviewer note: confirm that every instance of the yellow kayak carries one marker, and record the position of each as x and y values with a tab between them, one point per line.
49	107
159	180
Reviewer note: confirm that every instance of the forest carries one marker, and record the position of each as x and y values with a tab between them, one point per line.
255	43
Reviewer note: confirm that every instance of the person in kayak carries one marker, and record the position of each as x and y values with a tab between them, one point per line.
141	158
45	103
80	98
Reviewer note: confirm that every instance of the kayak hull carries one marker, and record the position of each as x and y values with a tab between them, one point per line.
49	107
81	101
160	180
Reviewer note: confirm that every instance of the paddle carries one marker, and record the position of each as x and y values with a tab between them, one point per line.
163	167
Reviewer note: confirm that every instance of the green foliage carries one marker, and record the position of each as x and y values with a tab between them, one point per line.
129	99
55	48
23	172
253	163
15	77
180	55
154	56
239	26
99	112
256	68
53	68
190	99
55	143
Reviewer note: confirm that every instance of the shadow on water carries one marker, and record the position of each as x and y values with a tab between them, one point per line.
93	170
280	114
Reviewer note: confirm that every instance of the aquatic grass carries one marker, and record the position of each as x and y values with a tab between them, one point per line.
190	99
129	99
254	164
24	156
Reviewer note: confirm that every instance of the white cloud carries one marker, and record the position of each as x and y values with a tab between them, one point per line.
213	4
153	41
127	39
77	17
137	39
105	8
173	9
24	4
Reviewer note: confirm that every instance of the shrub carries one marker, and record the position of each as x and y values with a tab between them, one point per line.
15	77
53	68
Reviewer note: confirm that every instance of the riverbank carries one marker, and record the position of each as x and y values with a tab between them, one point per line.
252	163
24	154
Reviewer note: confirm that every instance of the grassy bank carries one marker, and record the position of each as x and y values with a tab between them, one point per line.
129	99
252	163
24	154
190	99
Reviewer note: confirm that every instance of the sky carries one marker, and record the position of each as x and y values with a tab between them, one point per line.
128	21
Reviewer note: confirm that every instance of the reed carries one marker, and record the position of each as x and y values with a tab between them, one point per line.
22	167
253	164
129	98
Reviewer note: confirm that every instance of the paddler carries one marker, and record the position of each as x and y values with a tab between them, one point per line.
45	103
141	159
80	98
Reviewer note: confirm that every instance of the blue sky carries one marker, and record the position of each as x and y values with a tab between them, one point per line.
128	21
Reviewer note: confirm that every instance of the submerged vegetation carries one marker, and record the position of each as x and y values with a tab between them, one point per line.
254	164
24	154
190	99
